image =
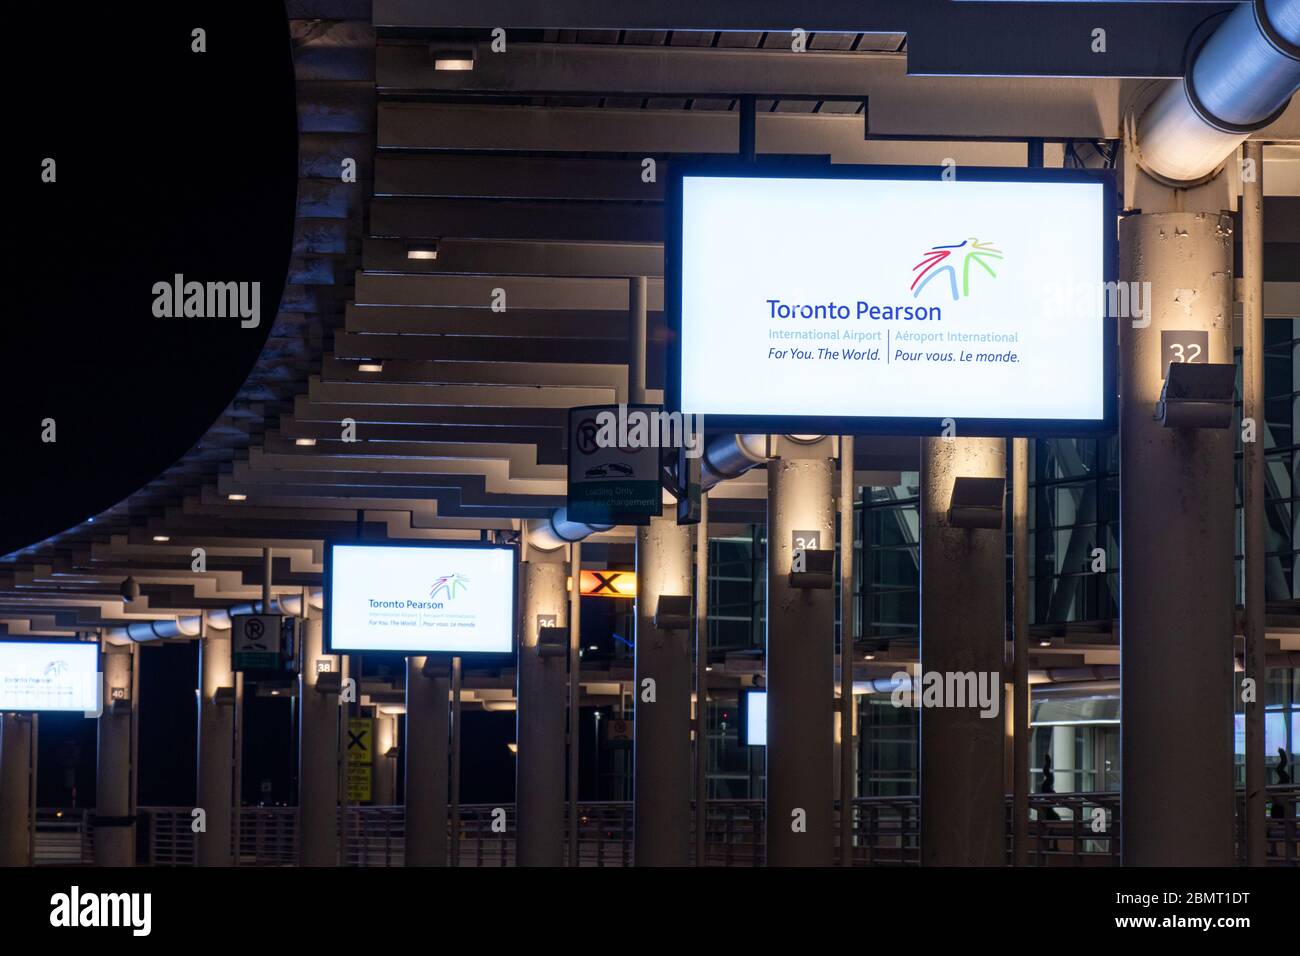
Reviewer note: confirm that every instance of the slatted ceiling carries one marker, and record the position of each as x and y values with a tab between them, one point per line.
511	177
526	220
645	37
599	36
468	348
506	258
461	321
523	292
464	426
739	40
693	38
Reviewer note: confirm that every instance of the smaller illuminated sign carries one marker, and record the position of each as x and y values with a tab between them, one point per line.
611	584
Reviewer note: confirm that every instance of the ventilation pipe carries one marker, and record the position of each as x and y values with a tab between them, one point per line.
141	632
1239	80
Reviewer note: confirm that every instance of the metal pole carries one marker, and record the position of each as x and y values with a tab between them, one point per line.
1252	492
340	809
748	129
636	342
575	672
36	764
702	683
137	652
848	770
455	761
237	770
1020	558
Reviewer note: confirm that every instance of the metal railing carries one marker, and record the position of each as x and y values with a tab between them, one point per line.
64	837
1065	829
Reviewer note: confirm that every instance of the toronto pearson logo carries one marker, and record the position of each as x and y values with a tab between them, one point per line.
449	585
942	260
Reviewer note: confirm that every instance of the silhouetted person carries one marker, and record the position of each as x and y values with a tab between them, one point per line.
1048	785
1278	810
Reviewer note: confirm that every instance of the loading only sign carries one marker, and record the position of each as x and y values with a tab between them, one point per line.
612	483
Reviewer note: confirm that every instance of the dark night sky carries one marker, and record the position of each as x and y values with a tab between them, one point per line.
167	161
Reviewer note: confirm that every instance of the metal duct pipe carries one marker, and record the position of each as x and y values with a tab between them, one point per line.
141	632
556	530
1239	80
729	456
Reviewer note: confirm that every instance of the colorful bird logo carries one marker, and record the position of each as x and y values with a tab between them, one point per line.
938	261
450	584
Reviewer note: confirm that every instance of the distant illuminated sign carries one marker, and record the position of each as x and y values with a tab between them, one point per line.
49	676
436	597
753	718
611	584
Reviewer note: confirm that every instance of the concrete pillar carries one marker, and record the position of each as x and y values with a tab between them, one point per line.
216	749
384	767
1063	760
963	631
661	776
540	719
318	746
1176	574
1252	487
428	721
115	765
800	667
15	789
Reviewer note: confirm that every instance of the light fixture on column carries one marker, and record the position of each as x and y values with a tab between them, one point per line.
370	367
673	612
304	442
1197	395
977	503
452	60
812	570
236	497
553	642
162	538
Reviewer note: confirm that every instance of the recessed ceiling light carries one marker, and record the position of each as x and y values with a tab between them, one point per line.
869	657
370	367
233	497
1044	643
425	250
304	442
162	537
453	60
